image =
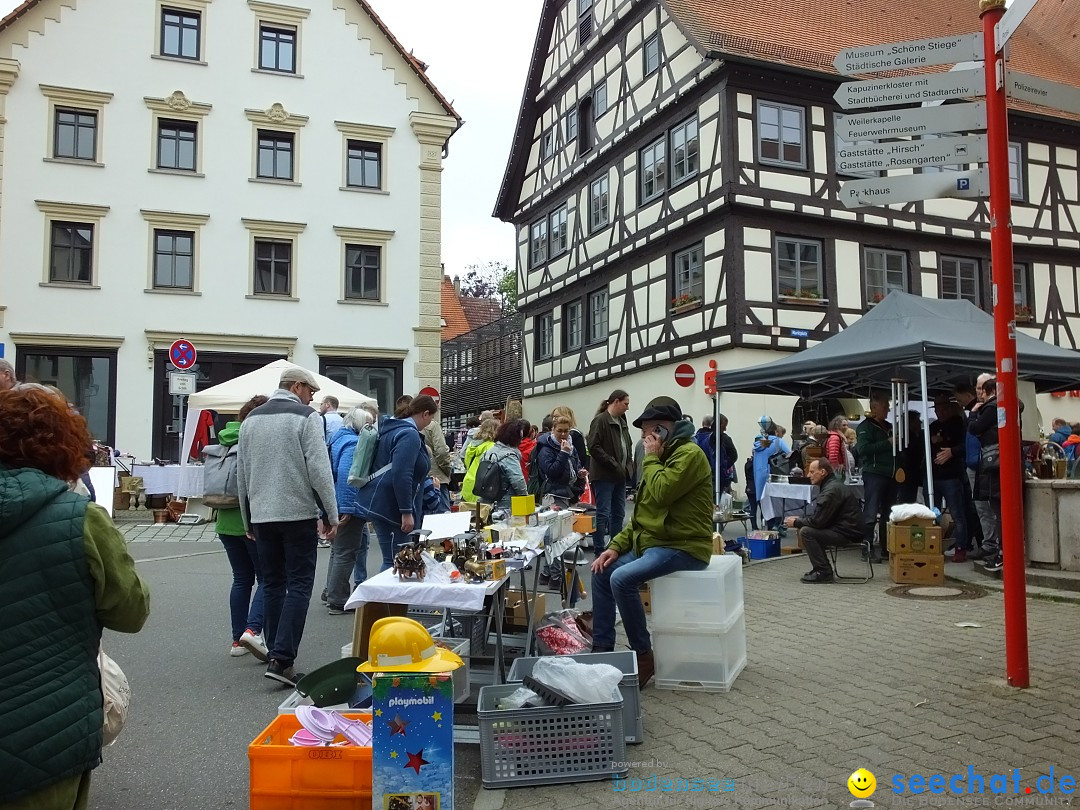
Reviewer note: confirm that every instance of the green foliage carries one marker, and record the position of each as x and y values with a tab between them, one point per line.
491	280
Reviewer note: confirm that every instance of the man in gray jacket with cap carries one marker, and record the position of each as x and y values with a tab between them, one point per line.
285	484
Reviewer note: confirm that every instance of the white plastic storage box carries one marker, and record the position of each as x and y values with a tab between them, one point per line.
548	745
704	662
624	661
710	600
459	676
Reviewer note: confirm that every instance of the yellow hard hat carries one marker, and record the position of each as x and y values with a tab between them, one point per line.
397	644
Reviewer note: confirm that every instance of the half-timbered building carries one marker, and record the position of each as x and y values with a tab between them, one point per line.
674	185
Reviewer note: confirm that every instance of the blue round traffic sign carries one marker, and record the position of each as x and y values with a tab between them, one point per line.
182	354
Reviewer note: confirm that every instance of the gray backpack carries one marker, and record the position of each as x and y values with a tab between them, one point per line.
219	477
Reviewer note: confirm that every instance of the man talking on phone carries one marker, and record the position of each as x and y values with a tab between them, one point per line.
671	530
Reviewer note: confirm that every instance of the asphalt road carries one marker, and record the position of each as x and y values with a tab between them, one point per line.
194	708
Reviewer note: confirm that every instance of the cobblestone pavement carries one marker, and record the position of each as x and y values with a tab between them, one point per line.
841	677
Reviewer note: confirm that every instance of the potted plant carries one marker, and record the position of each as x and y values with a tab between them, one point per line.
684	303
809	295
1024	313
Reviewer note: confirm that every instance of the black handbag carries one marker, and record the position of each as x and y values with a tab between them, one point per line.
989	458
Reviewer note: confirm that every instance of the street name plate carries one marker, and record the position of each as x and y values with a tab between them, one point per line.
911	154
1010	20
914	54
912	89
873	126
1040	91
914	187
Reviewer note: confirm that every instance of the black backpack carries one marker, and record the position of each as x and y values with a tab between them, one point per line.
535	482
489	480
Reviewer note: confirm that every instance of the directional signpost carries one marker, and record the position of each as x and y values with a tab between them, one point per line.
1012	17
1043	92
914	187
911	89
874	126
910	154
915	54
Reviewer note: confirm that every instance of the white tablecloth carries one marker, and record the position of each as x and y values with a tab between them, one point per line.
386	587
183	482
782	500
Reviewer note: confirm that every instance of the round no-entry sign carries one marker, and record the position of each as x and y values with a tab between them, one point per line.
429	392
685	375
182	354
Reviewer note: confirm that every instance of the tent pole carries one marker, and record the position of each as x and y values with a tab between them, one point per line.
926	434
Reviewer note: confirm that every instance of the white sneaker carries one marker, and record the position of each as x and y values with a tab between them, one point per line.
237	650
255	644
950	552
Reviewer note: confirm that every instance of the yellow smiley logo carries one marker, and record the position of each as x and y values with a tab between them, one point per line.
862	784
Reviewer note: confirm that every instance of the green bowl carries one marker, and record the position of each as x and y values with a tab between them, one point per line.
332	684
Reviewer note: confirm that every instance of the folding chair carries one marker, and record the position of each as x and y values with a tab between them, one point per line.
862	546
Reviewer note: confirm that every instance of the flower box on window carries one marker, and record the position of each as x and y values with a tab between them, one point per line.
1023	313
808	296
684	303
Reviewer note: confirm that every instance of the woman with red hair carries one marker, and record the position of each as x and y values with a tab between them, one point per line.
64	575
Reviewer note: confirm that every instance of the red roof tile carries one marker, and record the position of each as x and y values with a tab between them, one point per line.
454	322
481	311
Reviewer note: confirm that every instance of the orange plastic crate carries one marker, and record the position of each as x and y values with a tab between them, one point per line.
291	777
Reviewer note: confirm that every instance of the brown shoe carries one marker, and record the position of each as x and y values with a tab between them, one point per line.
645	668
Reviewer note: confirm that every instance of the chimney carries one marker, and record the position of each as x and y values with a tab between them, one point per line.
457	285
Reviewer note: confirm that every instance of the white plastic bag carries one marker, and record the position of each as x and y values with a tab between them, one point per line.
906	511
117	694
725	504
585	683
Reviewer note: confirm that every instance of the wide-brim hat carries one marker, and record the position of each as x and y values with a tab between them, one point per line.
660	409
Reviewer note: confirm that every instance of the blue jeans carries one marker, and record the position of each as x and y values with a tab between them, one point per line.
610	497
287	552
391	538
618	585
952	491
348	552
245	613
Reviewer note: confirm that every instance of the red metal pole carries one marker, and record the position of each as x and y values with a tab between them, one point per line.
1008	416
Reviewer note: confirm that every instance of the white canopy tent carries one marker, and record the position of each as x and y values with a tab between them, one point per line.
229	397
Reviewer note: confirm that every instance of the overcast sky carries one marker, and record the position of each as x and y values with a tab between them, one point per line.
478	53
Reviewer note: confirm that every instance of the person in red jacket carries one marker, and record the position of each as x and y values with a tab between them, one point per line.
526	447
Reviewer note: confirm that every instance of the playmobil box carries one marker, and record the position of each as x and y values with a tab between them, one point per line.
413	741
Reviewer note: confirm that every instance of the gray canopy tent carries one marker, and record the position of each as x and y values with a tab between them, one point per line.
928	343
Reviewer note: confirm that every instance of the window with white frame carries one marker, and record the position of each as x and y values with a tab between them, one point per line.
570	125
1016	171
651	54
363	165
573	326
276	151
278	36
844	163
781	134
599	100
181	35
599	204
274	257
76	120
885	271
1021	295
557	231
689	274
960	278
597	303
652	168
538	243
545	336
798	268
174	250
275	161
684	150
177	145
72	234
547	145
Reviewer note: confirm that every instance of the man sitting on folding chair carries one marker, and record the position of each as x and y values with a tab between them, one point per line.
835	520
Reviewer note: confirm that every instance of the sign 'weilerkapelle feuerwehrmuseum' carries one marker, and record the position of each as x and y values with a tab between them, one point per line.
874	126
914	54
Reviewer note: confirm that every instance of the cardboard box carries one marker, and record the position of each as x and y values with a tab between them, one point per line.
585	523
494	569
412	753
646	597
914	539
517	614
717	543
917	569
522	504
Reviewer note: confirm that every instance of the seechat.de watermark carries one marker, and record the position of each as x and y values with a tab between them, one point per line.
970	788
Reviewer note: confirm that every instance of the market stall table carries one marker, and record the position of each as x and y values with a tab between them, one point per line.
780	499
171	479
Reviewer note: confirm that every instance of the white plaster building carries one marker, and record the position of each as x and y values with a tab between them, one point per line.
671	148
260	178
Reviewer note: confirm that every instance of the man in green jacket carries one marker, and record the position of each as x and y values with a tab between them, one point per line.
671	529
874	447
